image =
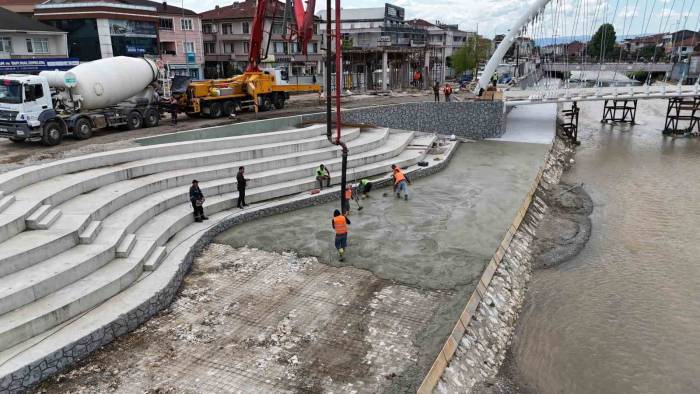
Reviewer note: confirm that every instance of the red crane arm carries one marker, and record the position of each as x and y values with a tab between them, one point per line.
303	18
256	37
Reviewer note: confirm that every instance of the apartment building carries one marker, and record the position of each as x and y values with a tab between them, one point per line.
226	34
103	28
443	40
29	46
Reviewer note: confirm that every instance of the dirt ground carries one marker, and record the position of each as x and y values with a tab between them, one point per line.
14	155
248	318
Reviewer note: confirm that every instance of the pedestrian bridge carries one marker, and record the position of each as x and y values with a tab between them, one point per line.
548	94
561	67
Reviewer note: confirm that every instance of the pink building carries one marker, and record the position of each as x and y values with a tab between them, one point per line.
179	38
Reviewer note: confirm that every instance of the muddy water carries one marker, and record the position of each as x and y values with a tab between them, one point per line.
623	316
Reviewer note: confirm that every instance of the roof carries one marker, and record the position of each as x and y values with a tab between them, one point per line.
355	14
692	41
421	22
162	7
10	21
239	10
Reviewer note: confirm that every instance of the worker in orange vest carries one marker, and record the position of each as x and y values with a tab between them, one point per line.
340	225
448	92
346	200
401	182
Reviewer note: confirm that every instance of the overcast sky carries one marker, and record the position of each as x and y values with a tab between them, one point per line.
495	16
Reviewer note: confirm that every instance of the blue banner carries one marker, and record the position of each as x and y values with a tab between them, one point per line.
9	66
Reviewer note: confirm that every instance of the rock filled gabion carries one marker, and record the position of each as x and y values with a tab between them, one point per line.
483	346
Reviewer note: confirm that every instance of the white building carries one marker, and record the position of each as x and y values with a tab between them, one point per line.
26	38
444	40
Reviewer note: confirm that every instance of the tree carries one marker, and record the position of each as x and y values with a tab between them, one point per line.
603	42
473	51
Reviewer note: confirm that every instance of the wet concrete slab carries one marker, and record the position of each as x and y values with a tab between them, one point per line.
439	239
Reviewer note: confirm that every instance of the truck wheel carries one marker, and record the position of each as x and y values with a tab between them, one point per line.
266	104
215	110
229	108
134	120
279	101
152	118
82	129
52	133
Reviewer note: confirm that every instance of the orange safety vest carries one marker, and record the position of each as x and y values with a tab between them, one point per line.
340	225
398	176
348	194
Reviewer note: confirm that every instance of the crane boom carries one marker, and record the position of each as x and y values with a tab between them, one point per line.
303	18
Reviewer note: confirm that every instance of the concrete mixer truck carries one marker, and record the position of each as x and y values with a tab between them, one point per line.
117	91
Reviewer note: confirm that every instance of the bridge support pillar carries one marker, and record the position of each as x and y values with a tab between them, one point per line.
569	124
619	111
681	110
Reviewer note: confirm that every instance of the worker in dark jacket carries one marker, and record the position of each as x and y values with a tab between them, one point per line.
436	90
173	111
241	182
197	200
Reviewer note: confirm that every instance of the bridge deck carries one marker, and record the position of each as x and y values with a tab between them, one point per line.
527	97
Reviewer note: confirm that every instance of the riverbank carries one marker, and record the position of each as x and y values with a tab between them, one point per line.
621	314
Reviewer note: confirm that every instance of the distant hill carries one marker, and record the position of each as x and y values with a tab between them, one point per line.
565	40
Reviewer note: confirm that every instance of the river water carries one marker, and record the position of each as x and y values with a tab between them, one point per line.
624	315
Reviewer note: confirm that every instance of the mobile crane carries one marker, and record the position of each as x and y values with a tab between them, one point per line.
259	89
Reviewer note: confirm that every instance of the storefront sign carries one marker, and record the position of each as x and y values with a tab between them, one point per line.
8	66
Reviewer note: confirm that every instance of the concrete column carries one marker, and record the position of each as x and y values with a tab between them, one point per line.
105	38
385	65
426	71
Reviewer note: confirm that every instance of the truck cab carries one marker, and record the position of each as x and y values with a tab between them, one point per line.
25	108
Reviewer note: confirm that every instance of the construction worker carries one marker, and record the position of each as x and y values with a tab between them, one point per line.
197	200
241	182
346	200
322	174
173	111
494	79
448	92
365	187
400	182
436	91
340	225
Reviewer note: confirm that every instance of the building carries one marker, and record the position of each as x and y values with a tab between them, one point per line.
180	43
22	7
102	28
29	46
226	34
372	35
443	40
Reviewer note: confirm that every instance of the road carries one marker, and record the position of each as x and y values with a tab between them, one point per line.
13	155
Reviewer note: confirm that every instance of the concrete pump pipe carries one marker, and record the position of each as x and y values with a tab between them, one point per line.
105	82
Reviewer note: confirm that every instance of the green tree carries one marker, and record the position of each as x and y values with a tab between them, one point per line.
602	42
473	51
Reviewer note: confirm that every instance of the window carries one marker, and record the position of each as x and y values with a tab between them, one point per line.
228	46
208	28
227	28
246	47
209	47
186	24
246	28
280	47
168	48
5	44
312	47
32	92
189	47
38	45
166	23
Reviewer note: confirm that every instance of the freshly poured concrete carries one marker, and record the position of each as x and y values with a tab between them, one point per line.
441	238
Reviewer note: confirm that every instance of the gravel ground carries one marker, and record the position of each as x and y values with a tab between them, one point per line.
280	323
16	155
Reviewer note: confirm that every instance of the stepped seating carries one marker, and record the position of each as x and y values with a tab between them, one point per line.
74	241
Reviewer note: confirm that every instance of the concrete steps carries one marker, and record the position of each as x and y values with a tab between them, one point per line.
102	202
85	249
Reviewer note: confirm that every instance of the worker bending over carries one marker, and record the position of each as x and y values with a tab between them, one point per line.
401	182
340	225
322	174
364	187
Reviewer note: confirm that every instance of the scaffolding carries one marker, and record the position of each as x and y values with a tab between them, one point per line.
619	111
569	123
679	111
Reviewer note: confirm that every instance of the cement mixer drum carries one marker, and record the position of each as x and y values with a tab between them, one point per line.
105	82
